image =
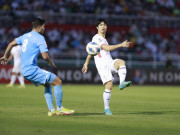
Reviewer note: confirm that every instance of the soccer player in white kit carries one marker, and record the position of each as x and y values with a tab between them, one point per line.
105	65
16	55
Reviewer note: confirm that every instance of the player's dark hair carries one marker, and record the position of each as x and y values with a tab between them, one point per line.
37	22
100	20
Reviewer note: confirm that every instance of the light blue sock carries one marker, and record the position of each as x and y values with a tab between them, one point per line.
49	97
58	93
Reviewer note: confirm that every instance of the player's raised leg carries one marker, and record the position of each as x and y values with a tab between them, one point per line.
121	67
106	97
58	93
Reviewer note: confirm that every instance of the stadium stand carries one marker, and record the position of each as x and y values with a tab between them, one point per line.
152	25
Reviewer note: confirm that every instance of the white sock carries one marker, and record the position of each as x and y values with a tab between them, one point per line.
122	73
59	108
106	98
13	79
21	79
52	110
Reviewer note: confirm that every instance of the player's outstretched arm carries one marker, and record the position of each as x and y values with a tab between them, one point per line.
85	66
3	60
46	57
114	47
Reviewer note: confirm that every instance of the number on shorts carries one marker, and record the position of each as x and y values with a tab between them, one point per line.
25	42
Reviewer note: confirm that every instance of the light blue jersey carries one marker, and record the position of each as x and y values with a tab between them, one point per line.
33	43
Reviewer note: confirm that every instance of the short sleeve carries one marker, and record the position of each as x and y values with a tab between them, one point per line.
42	45
98	40
19	40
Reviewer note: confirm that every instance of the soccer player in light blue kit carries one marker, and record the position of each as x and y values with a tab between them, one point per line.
34	43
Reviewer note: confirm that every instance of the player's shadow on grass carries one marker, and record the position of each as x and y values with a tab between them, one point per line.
153	113
87	114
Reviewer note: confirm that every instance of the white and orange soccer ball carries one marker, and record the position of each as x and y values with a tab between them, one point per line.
92	48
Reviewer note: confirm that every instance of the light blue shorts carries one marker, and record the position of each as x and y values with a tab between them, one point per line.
41	77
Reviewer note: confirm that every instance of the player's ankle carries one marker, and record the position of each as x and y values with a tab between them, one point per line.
59	108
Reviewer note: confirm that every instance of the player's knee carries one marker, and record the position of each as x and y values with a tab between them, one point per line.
121	62
59	81
108	85
108	88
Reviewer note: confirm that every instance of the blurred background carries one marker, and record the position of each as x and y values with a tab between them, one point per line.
152	25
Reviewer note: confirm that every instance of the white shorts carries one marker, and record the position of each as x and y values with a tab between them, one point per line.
106	72
16	68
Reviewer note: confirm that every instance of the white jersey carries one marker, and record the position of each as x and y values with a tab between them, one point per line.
104	57
16	52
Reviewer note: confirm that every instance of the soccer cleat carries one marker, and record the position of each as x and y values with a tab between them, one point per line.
124	85
21	86
107	112
65	111
52	113
9	85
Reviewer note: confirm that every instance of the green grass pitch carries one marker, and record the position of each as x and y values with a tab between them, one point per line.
137	110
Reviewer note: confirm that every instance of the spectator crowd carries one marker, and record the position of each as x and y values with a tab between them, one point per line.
59	40
119	7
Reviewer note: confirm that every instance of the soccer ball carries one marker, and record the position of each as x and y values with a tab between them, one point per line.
92	48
